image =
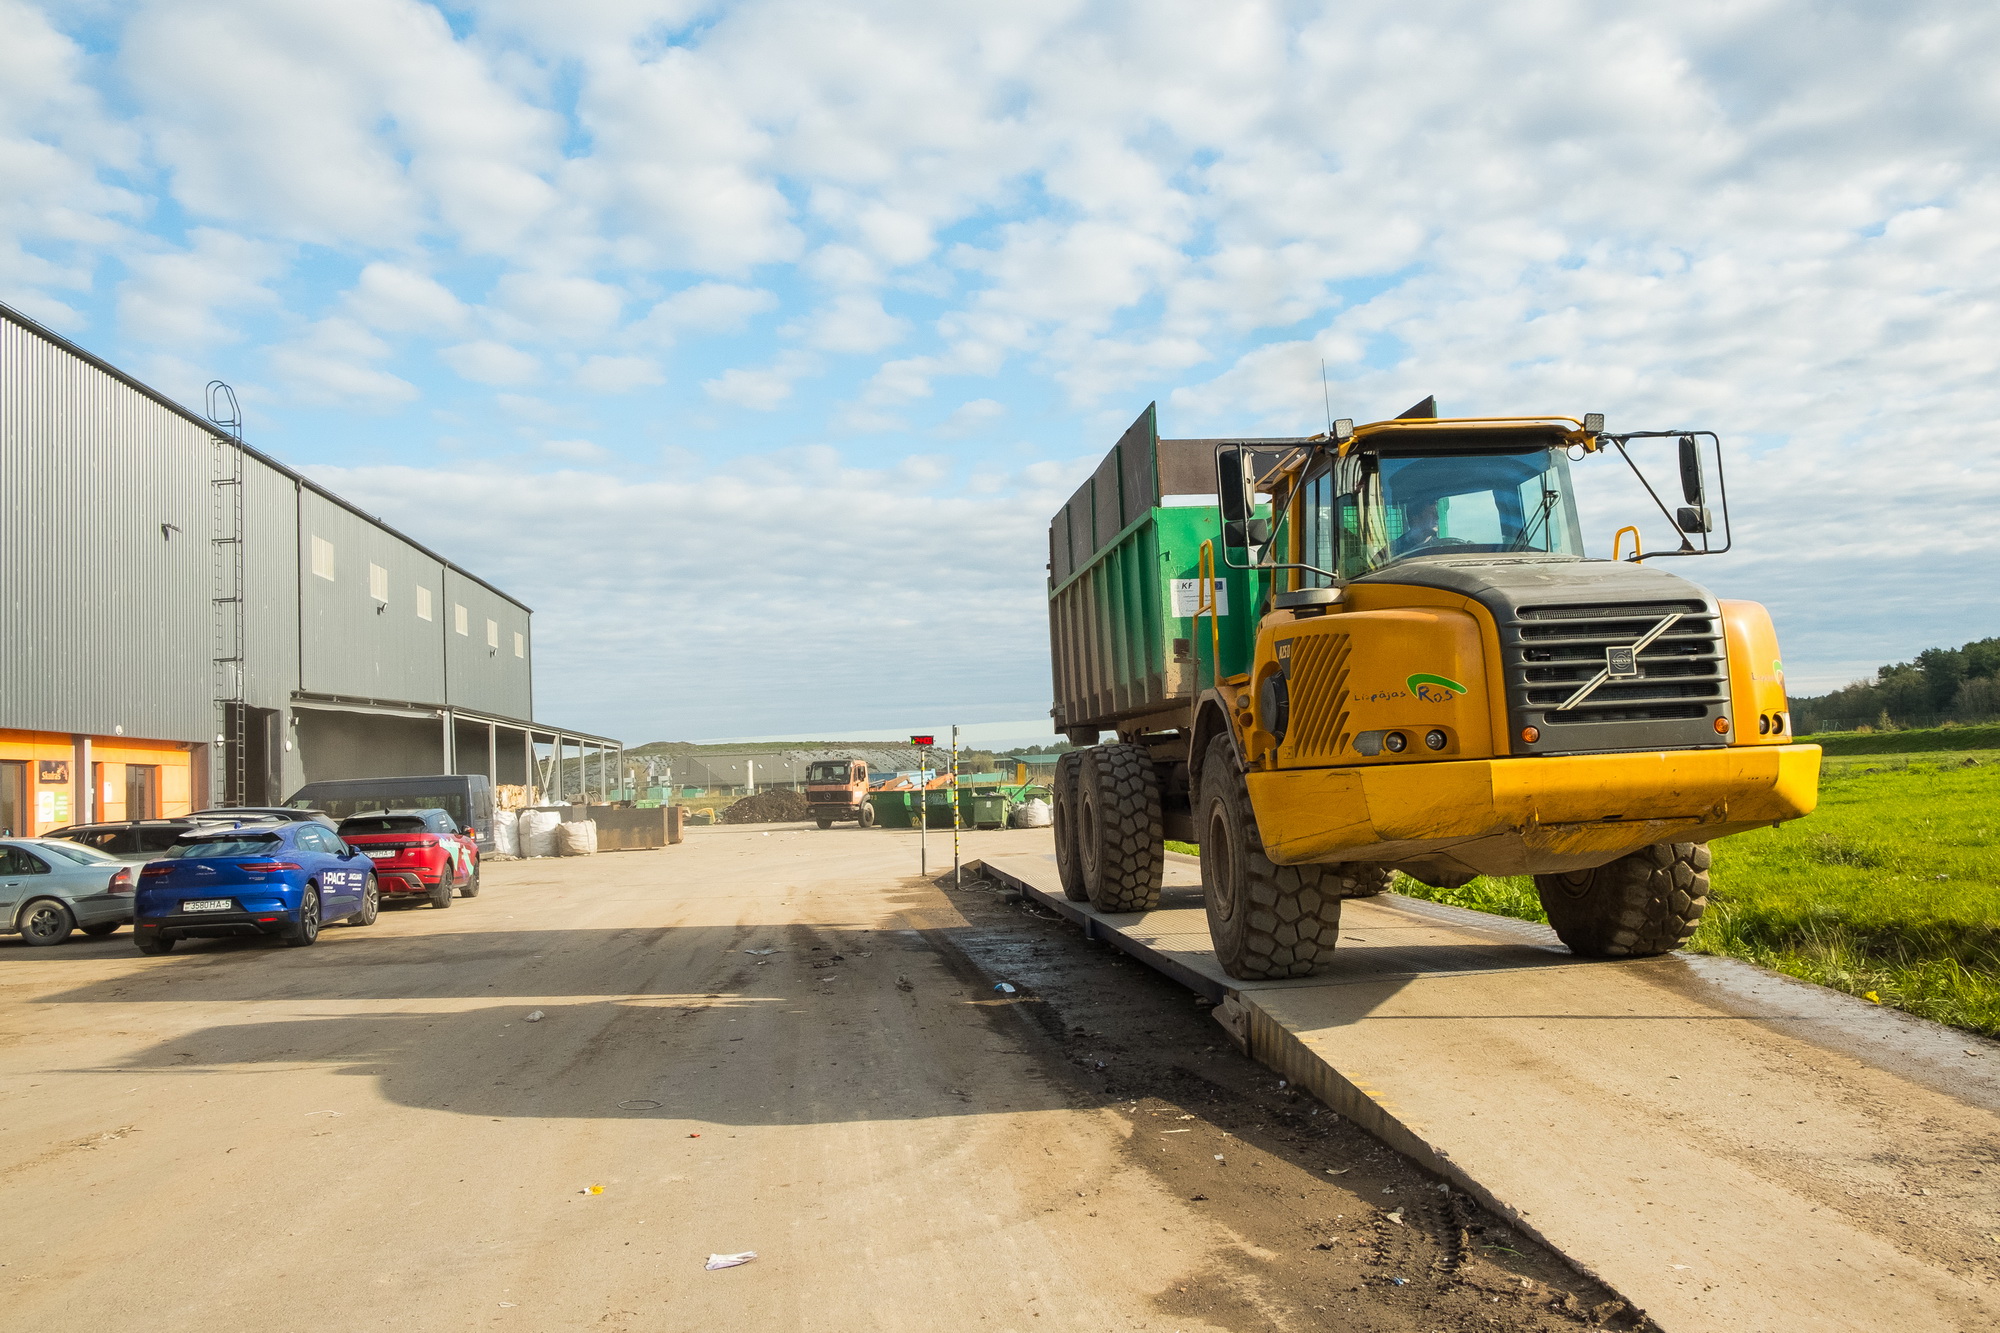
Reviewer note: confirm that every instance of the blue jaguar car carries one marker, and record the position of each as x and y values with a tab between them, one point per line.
286	880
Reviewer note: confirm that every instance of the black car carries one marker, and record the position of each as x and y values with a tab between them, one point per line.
135	839
283	814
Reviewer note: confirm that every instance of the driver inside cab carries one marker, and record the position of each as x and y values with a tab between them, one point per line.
1420	528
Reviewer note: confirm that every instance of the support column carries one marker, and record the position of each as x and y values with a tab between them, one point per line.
445	739
492	755
556	773
528	774
83	781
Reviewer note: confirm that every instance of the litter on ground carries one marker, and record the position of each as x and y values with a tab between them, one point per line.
535	1017
716	1261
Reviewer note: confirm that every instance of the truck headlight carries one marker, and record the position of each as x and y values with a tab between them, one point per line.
1274	705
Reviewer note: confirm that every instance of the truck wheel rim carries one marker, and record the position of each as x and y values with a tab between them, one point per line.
1576	883
1218	854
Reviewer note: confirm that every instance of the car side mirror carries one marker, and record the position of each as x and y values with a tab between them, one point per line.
1691	476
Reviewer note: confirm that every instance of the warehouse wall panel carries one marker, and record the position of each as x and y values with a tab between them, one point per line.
483	668
353	642
103	549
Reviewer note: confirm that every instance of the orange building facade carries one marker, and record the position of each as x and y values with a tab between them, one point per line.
49	779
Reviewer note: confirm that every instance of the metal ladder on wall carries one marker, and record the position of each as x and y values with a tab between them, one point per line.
226	592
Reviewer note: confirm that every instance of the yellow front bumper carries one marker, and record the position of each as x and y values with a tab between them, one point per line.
1530	815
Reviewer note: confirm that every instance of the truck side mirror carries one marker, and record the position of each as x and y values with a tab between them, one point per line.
1691	476
1693	518
1233	487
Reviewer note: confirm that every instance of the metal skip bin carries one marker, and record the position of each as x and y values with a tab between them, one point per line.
894	809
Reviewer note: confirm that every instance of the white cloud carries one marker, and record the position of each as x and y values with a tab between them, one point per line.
370	120
618	374
972	417
576	451
553	307
706	307
401	300
178	297
487	362
328	364
761	390
851	323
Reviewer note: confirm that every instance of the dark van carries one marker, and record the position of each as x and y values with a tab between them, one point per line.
467	798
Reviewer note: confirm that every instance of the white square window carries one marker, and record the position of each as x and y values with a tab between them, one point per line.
423	602
492	634
460	621
378	583
520	644
323	558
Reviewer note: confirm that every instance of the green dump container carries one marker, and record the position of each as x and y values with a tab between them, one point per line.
894	809
989	809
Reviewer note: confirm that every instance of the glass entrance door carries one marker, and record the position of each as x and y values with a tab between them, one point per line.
142	791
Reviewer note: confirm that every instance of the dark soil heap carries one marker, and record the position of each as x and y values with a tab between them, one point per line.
768	807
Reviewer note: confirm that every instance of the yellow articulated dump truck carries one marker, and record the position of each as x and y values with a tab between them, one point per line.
1384	648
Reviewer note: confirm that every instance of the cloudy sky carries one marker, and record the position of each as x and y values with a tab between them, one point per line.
754	344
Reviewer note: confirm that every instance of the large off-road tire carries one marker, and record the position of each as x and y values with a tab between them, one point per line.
1120	840
1065	793
1267	920
1645	903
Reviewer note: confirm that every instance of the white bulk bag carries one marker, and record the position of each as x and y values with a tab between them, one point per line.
538	832
1031	814
577	839
506	833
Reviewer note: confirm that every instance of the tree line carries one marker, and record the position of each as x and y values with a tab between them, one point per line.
1941	685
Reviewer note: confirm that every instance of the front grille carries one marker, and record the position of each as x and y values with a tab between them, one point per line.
1682	686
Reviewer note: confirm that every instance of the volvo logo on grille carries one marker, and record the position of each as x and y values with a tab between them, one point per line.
1619	663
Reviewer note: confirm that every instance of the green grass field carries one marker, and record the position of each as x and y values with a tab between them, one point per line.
1985	736
1890	890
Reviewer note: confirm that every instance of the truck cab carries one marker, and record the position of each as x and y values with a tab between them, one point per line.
837	789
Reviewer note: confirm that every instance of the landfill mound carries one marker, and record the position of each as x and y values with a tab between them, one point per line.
768	807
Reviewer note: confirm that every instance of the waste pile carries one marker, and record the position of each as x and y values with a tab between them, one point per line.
768	807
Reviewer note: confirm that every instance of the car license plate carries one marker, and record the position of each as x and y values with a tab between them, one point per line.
383	856
208	904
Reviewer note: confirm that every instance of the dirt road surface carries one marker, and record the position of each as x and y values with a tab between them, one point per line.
378	1133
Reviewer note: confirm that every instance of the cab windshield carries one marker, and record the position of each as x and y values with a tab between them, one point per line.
829	773
1370	511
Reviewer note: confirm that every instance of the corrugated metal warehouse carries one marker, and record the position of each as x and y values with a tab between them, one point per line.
191	623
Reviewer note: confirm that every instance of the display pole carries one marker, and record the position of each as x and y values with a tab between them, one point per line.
957	881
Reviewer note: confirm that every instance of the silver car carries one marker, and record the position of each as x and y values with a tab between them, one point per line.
49	887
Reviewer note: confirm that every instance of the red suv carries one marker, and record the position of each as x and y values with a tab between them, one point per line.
417	853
